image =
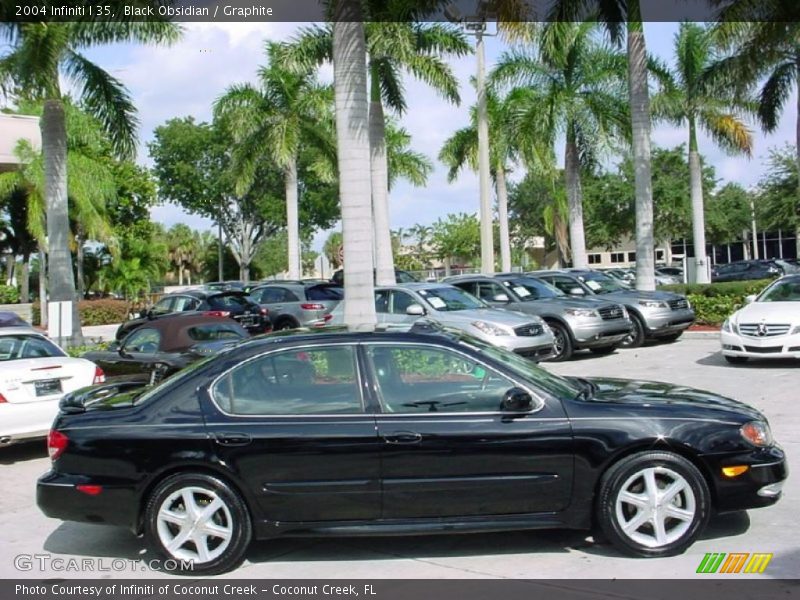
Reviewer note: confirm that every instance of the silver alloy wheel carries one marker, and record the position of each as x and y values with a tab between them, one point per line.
655	507
558	341
194	523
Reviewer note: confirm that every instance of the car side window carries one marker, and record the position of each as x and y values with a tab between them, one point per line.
143	340
382	301
184	303
401	301
470	287
293	382
288	295
163	306
488	290
563	283
417	379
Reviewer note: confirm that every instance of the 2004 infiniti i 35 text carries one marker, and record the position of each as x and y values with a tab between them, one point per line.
356	433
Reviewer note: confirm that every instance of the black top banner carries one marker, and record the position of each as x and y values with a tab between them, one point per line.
463	11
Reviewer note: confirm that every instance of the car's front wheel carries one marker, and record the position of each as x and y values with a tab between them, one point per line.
653	504
562	342
636	336
198	519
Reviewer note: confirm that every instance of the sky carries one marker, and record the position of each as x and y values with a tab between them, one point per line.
186	78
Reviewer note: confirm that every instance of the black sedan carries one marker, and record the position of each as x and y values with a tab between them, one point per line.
236	305
355	433
162	347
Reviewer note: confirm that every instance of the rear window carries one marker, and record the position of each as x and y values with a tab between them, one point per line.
324	292
228	301
16	347
214	331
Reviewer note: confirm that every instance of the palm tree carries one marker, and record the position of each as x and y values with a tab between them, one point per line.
691	98
763	51
403	162
275	120
393	46
180	243
349	55
576	91
505	143
37	73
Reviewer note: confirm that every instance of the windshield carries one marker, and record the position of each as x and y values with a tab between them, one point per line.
177	379
782	291
532	289
553	384
450	299
17	347
600	283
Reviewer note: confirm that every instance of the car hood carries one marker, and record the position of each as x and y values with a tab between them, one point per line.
636	295
658	394
508	318
769	312
592	303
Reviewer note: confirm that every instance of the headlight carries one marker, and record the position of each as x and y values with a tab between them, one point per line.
757	433
489	329
727	326
581	312
653	304
796	330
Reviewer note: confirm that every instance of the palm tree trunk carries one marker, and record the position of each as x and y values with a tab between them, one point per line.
698	218
25	279
353	156
42	287
54	148
572	171
640	124
502	215
79	260
797	149
292	220
379	180
487	228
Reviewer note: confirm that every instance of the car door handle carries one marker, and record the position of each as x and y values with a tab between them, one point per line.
232	439
403	437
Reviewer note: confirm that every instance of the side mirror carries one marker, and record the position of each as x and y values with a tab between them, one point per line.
749	299
415	310
121	351
145	314
501	298
576	291
113	347
517	400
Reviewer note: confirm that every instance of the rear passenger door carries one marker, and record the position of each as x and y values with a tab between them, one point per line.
293	426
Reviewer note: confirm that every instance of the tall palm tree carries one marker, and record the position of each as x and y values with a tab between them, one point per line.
349	55
461	149
691	98
40	53
275	120
576	80
393	46
763	50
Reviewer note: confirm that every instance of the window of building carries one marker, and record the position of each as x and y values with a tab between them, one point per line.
595	259
617	257
660	255
631	256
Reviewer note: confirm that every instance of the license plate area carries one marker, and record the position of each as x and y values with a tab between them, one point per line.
47	387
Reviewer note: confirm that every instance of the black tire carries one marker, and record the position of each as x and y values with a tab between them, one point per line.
286	324
636	338
693	501
602	350
736	360
672	337
233	517
562	343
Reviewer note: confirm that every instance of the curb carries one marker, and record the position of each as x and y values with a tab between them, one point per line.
700	335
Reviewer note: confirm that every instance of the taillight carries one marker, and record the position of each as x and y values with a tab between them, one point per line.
99	376
217	313
3	399
56	444
327	317
88	489
312	306
264	311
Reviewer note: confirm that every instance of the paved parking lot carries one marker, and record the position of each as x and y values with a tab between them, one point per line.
771	387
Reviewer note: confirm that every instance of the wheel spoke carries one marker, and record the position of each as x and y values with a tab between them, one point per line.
650	484
208	511
217	531
673	490
170	516
660	528
189	502
201	542
638	500
640	519
179	540
678	513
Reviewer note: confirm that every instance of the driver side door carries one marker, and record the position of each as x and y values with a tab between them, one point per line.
448	450
134	357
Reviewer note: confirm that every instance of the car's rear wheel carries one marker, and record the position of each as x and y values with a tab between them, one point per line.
285	324
636	336
653	504
736	360
198	518
603	350
562	342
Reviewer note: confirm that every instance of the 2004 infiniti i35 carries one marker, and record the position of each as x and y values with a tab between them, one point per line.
370	433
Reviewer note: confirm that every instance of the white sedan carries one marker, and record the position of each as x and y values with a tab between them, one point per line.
767	327
34	374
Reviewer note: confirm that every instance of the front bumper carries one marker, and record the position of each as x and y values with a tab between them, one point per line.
784	346
661	322
593	333
758	486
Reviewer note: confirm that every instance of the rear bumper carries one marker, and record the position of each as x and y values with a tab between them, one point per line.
758	486
58	498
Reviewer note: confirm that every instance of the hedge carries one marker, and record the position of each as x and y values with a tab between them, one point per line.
93	312
715	302
9	294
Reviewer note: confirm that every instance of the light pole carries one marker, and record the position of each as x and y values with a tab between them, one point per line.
753	224
476	26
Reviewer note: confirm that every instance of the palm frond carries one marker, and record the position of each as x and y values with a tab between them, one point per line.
775	93
729	132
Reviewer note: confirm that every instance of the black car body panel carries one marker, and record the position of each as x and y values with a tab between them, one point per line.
375	472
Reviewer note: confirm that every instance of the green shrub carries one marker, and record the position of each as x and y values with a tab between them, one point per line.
715	302
93	312
78	351
9	294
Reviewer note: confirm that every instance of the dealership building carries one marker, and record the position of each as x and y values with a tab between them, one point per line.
14	128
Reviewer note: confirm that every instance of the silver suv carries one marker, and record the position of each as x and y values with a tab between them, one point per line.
403	304
655	315
577	323
296	304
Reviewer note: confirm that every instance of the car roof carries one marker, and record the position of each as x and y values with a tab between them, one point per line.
416	286
21	331
175	328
